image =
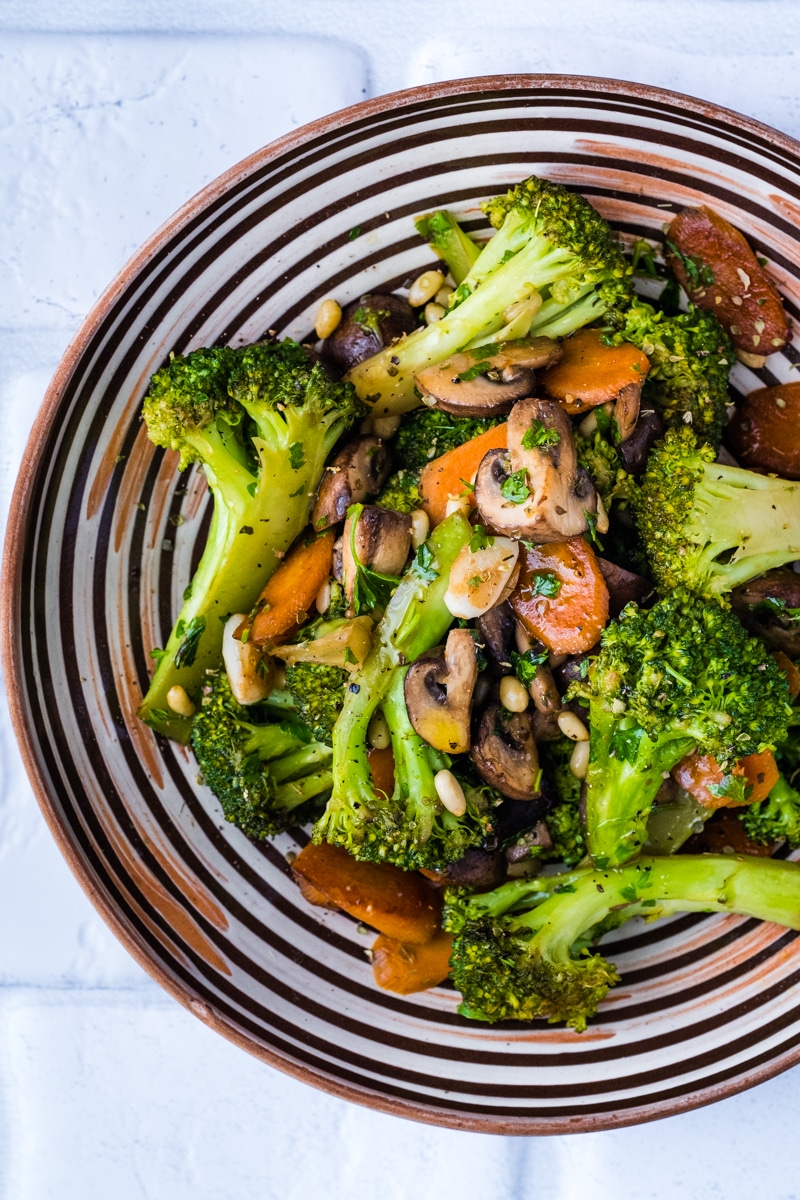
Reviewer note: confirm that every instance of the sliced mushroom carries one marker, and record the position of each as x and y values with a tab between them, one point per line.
762	605
623	586
359	470
626	409
496	631
551	497
376	539
504	752
470	385
367	325
635	449
438	691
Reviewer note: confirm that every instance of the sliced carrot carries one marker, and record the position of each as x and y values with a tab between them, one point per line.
590	373
452	473
400	904
381	763
790	671
561	597
289	595
701	776
399	967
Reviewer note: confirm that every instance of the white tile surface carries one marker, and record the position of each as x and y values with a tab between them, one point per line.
108	1088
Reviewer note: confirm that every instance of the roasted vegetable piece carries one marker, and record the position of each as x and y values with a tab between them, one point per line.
400	904
710	527
748	782
590	372
521	951
719	272
764	431
451	474
405	968
260	762
550	243
260	421
682	676
561	597
288	597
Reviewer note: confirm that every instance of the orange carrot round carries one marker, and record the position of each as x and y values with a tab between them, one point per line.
561	597
701	776
451	474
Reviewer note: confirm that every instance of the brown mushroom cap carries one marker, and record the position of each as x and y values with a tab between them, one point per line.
471	385
379	539
438	691
367	325
359	470
560	493
504	752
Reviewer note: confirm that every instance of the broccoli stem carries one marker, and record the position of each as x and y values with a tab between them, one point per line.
415	763
756	516
623	778
449	242
521	951
386	380
416	619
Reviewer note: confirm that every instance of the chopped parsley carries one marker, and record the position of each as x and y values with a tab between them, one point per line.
539	436
514	487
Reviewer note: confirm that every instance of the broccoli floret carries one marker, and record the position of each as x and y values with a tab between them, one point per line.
682	676
603	462
710	527
427	433
690	359
411	828
520	952
318	694
260	762
550	244
776	819
400	492
449	242
260	422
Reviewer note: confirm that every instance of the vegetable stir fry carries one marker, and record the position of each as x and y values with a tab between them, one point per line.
499	595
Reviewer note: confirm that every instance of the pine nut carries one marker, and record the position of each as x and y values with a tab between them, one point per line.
329	316
385	427
543	691
179	701
513	695
457	504
378	734
588	424
420	527
579	762
450	792
323	597
443	295
424	288
572	726
433	312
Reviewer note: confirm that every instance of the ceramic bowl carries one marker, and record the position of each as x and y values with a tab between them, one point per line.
104	534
